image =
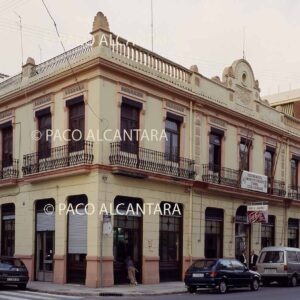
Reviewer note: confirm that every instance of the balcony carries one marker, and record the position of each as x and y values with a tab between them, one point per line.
294	192
9	170
220	175
277	188
59	157
212	173
140	158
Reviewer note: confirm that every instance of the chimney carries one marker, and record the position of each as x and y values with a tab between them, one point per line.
27	68
100	30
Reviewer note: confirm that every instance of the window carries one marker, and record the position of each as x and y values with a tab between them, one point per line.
204	264
294	173
238	265
292	256
7	146
271	257
130	119
44	124
213	232
225	265
172	142
268	232
245	145
215	139
76	126
269	162
293	233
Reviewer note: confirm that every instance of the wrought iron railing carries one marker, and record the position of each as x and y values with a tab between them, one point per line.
9	170
294	192
219	175
276	187
150	160
215	174
59	157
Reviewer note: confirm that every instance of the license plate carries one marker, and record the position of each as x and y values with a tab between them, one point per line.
270	271
198	275
12	279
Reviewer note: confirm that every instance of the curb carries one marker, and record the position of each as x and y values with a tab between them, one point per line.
104	294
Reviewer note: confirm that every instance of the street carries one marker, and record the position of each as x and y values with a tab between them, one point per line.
272	293
267	293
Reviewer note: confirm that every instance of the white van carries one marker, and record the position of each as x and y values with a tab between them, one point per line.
280	264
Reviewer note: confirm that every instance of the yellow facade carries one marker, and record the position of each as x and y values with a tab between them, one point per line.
104	76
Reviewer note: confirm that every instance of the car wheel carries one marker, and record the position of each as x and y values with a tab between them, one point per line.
22	286
254	285
293	281
222	287
192	289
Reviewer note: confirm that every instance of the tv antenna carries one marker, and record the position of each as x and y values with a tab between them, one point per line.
244	42
152	25
21	35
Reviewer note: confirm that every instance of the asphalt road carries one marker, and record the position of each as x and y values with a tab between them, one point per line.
267	293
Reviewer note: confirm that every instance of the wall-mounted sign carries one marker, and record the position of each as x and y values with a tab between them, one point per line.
254	182
107	226
257	213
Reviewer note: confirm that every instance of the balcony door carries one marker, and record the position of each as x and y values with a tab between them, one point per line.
76	124
215	153
130	122
7	146
44	125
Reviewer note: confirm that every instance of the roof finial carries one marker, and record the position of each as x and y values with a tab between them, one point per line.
244	42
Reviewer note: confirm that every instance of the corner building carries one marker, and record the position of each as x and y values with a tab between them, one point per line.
216	129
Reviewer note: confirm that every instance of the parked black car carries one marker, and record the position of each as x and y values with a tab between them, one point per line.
13	272
220	274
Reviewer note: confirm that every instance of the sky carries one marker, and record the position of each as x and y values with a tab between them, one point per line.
208	33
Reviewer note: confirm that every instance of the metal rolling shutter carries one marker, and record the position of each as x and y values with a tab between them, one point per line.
77	233
45	222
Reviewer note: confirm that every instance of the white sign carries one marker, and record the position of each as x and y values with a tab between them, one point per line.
106	225
254	182
257	213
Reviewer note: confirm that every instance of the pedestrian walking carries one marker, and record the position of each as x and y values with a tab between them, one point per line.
131	270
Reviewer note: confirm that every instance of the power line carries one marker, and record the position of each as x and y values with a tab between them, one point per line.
67	58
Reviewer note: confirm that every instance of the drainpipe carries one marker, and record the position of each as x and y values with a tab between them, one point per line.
285	223
191	189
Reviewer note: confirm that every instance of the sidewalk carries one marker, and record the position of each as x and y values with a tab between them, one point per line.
117	290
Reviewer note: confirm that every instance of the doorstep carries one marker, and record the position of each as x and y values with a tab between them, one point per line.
117	290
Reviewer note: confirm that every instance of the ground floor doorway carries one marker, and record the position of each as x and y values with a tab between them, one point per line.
128	237
170	244
242	234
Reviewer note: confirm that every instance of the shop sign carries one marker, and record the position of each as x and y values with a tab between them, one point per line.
257	213
254	182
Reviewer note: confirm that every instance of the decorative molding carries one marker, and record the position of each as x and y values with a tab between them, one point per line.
132	92
218	122
41	101
175	106
271	142
243	94
73	89
6	114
